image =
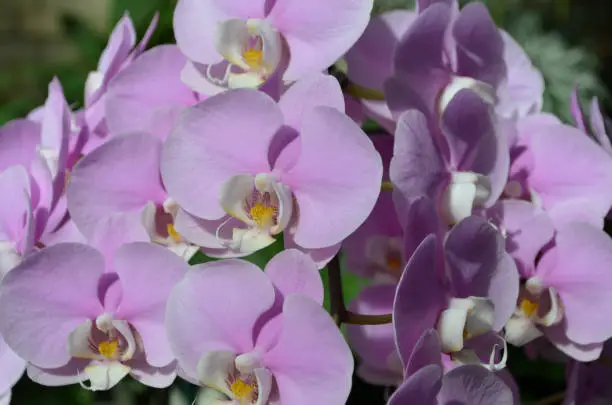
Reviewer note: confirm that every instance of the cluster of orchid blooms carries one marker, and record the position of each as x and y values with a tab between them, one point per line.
477	218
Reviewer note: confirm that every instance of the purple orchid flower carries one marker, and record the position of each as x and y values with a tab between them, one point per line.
370	61
597	124
589	383
242	43
245	169
374	250
120	51
374	344
461	166
540	172
466	288
425	382
148	95
113	180
258	337
78	313
431	67
33	171
565	293
521	93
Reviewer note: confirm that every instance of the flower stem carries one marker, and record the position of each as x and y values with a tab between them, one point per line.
337	306
364	93
550	400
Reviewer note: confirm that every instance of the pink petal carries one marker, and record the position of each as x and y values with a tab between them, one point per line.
293	272
18	143
113	179
589	175
147	87
312	91
195	23
582	276
336	181
226	135
47	297
11	367
139	265
14	204
523	91
215	307
316	40
311	361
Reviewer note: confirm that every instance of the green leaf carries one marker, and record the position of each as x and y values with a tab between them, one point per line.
260	258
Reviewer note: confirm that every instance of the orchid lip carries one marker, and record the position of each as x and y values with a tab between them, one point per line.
253	46
262	203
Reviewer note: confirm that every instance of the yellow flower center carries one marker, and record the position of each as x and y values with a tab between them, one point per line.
528	307
253	58
262	215
173	233
242	390
109	349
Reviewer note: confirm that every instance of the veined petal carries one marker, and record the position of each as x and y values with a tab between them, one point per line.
234	191
316	40
338	164
237	294
223	136
214	368
39	330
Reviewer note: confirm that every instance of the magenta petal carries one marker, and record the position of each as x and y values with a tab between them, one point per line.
420	388
374	344
598	126
149	85
480	267
311	361
139	265
582	276
223	136
71	373
312	91
338	173
421	221
18	143
46	297
315	39
215	307
113	179
293	272
419	298
474	385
